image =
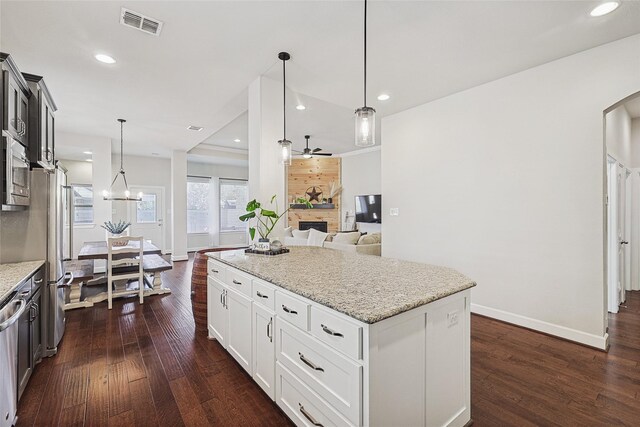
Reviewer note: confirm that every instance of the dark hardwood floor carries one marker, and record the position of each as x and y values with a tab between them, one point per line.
144	365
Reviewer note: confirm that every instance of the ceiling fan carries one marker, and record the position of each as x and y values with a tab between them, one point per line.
308	153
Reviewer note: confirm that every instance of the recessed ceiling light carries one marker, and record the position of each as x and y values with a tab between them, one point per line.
89	160
383	97
105	58
196	128
236	140
155	154
87	152
300	107
605	8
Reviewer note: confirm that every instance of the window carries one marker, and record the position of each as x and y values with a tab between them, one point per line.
82	203
198	204
146	209
234	195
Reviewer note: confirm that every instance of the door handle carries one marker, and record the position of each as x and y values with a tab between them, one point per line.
269	330
13	319
624	242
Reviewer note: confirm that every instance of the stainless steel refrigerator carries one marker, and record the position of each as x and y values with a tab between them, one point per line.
58	250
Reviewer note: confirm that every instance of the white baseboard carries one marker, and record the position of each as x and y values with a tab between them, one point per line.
591	340
179	257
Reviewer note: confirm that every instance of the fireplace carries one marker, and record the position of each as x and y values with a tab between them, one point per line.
318	225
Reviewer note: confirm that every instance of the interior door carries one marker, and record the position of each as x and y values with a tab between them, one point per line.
146	216
622	243
613	244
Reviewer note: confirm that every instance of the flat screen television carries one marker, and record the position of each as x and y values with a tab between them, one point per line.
369	208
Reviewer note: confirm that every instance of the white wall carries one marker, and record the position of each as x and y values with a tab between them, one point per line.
203	241
144	171
101	176
618	136
361	174
505	183
179	205
266	172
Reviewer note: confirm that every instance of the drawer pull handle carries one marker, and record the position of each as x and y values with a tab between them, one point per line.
213	270
37	281
269	330
308	416
331	332
310	363
288	310
261	295
236	282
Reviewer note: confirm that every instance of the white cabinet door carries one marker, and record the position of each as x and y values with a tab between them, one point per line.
239	336
217	315
264	361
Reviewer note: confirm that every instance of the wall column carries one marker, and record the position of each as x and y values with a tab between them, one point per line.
179	205
266	172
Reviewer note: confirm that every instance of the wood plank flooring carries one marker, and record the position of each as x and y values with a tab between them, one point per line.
145	366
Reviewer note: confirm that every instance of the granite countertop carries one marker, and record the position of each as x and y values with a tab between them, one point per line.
11	275
366	287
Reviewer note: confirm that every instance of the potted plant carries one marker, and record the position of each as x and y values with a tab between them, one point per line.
266	220
116	230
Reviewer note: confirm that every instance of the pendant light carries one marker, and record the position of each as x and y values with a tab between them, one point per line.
126	194
285	144
365	116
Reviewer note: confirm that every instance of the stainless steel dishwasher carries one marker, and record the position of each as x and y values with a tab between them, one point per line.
10	312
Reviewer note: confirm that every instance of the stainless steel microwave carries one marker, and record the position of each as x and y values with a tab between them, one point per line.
16	177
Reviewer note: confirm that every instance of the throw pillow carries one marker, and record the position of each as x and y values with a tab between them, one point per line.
299	234
347	238
369	239
316	238
287	232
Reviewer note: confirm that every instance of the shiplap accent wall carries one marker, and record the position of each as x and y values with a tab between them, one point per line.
319	172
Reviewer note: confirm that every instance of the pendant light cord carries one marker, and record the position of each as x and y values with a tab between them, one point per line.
284	100
121	146
365	53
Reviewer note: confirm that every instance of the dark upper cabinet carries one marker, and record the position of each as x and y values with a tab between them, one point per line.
15	101
42	123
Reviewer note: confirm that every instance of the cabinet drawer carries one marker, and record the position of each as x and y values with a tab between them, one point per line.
332	376
38	279
339	333
264	294
239	281
216	270
292	309
303	406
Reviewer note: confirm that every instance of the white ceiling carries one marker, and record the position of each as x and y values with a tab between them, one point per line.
209	52
633	107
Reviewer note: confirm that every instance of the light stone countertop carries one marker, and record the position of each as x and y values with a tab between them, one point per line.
366	287
11	275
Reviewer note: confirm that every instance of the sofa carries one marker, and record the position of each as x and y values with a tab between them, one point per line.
354	242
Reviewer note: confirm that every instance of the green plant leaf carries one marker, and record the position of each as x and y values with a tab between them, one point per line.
253	205
246	217
269	214
305	202
252	232
273	198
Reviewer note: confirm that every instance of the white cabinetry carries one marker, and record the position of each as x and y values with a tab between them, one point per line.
325	368
217	317
264	349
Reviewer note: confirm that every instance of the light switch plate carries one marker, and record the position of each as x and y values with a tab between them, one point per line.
394	211
452	318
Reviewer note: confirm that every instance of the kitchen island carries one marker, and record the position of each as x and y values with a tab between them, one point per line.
344	339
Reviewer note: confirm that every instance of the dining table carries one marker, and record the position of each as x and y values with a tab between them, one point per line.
153	265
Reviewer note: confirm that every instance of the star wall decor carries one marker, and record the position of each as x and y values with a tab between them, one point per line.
314	194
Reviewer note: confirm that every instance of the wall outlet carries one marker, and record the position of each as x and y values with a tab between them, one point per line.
452	318
394	211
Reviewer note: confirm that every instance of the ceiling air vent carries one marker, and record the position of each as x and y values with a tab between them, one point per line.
140	22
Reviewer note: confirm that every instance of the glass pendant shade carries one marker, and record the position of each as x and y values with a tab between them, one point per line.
119	189
285	148
365	127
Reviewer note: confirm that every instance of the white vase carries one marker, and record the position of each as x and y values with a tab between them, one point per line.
263	245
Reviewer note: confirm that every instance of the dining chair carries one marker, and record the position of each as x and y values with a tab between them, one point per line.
124	255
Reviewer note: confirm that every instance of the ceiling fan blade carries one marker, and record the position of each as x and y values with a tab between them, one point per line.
296	151
315	150
323	154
